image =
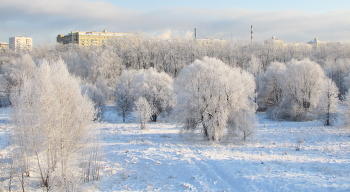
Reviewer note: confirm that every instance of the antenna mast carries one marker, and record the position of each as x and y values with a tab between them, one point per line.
251	34
195	33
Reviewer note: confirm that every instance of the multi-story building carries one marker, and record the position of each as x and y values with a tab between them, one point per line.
4	45
316	43
274	43
84	39
204	41
21	43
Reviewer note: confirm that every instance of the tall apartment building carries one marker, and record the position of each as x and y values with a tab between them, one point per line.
21	43
84	39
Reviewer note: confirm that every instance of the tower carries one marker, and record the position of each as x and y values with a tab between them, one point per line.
195	33
251	34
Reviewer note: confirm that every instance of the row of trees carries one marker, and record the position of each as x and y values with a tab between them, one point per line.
102	66
55	93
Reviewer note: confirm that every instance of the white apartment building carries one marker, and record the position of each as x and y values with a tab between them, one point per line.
21	43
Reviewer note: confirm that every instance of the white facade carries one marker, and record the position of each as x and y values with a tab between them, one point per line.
21	43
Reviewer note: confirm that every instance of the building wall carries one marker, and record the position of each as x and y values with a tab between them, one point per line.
84	39
21	43
4	45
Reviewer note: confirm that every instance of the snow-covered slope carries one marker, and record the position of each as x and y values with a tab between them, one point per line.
283	156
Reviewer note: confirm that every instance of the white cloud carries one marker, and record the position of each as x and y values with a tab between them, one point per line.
37	18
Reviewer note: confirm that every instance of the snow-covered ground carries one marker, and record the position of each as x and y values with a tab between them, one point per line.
283	156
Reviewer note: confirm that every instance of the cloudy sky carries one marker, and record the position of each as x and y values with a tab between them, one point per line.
289	20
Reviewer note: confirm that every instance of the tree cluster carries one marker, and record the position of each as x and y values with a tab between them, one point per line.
298	91
52	125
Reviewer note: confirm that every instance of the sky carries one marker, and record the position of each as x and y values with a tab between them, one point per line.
288	20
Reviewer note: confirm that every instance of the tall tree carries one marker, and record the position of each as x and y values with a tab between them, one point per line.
50	111
124	95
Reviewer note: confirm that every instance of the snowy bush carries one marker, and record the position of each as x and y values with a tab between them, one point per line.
217	96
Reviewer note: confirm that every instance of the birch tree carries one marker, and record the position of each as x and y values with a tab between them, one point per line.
329	102
124	97
55	120
143	111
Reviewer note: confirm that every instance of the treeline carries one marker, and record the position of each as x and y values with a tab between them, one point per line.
216	86
101	66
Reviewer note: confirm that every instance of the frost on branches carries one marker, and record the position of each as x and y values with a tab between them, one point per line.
52	125
156	88
124	94
298	91
217	96
143	111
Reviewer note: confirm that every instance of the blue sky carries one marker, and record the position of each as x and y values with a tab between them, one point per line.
291	21
262	5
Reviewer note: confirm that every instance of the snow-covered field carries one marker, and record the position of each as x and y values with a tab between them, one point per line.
282	156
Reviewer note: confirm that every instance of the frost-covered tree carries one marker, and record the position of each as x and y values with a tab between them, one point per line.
338	71
16	72
106	66
52	123
255	68
329	102
215	95
143	111
95	94
157	89
270	86
346	116
302	86
124	95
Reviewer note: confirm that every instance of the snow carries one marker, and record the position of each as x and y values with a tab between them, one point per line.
282	156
